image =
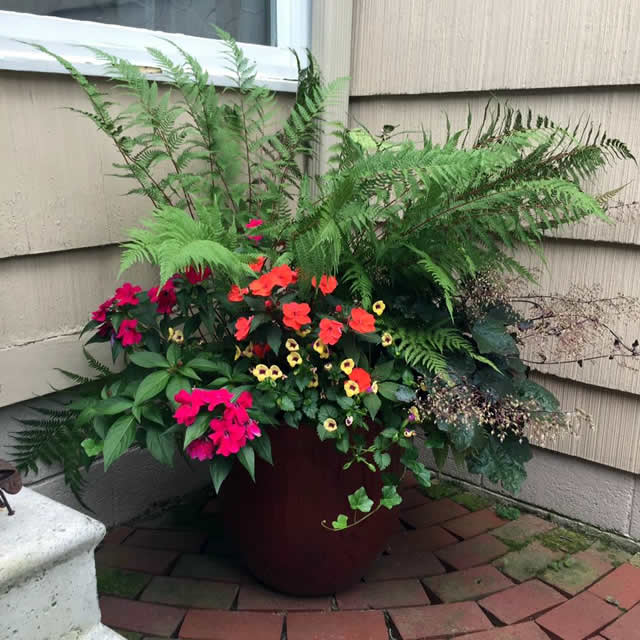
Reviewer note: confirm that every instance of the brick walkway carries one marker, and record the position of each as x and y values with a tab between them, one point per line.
455	569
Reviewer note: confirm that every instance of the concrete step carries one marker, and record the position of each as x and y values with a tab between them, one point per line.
47	572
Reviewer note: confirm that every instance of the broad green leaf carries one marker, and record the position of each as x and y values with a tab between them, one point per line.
173	353
153	413
149	360
119	438
151	386
340	523
382	370
91	447
262	446
372	403
219	470
274	338
360	501
390	497
111	406
209	366
491	336
176	384
162	446
247	458
196	430
388	390
188	372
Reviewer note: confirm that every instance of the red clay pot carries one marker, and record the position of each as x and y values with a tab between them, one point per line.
275	524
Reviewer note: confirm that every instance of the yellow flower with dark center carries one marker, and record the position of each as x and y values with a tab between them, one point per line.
261	371
319	346
330	424
386	340
351	388
238	353
314	381
409	433
346	366
275	372
303	333
414	414
328	366
378	307
294	359
248	352
291	345
176	335
374	387
348	421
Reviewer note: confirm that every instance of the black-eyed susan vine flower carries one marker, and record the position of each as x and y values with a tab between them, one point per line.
347	365
351	388
291	345
315	381
275	373
328	366
348	421
409	433
321	349
248	350
294	359
330	424
386	339
176	335
414	414
238	353
303	333
374	387
378	307
261	371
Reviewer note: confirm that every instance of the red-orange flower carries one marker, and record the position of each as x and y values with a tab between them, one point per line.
258	264
328	284
330	331
362	321
261	350
362	378
237	294
263	286
243	326
296	315
283	275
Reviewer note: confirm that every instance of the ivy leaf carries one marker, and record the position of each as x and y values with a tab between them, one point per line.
247	457
162	446
151	386
372	403
219	470
149	360
360	501
119	438
422	474
340	523
390	497
383	460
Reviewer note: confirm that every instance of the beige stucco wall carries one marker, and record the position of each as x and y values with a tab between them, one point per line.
414	60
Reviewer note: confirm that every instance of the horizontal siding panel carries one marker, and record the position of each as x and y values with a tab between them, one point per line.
53	294
617	108
437	46
615	439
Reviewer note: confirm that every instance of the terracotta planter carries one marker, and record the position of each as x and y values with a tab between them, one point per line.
275	523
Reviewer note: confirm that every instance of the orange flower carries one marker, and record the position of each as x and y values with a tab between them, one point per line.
328	284
283	275
296	314
258	264
330	331
243	326
237	294
263	286
361	377
362	321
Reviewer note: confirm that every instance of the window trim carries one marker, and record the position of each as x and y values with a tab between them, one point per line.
275	65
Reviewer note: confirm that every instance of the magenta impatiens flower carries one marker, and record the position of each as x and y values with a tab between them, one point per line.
201	449
100	314
165	298
195	276
229	437
126	294
255	239
128	333
253	223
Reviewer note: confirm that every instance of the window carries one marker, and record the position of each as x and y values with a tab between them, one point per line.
266	29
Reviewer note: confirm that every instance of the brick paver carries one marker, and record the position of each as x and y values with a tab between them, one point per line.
624	628
474	524
428	539
522	602
525	527
438	621
621	587
144	617
524	631
185	592
579	618
472	552
337	625
154	561
528	562
404	565
192	565
470	584
413	498
433	513
231	625
383	595
167	539
255	597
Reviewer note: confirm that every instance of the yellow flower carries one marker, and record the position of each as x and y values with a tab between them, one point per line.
321	349
314	381
328	366
330	424
351	388
292	345
238	353
261	371
248	352
303	333
423	387
175	335
275	372
374	387
409	433
294	359
379	307
386	340
347	365
414	414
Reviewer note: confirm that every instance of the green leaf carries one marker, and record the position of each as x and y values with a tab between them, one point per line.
219	470
111	406
119	438
342	445
360	501
208	366
388	390
91	447
532	391
286	403
173	353
149	360
372	403
176	384
247	458
162	446
382	459
188	372
274	338
422	474
340	523
382	370
491	336
151	386
153	413
196	430
390	497
262	446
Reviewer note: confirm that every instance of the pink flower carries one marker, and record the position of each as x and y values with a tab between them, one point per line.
126	294
227	436
194	276
253	223
213	397
127	332
253	430
165	298
255	239
190	405
100	314
201	449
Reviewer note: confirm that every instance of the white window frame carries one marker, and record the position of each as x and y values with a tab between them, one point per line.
275	66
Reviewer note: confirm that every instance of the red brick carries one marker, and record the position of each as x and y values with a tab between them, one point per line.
144	617
579	618
152	561
383	595
621	586
117	535
434	513
524	528
337	625
176	540
404	565
474	524
439	621
472	552
255	597
413	498
428	539
470	584
206	567
625	628
524	631
183	592
522	602
201	624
